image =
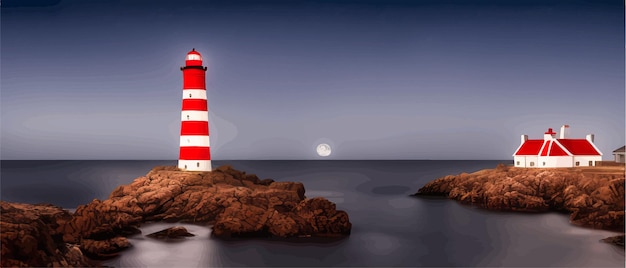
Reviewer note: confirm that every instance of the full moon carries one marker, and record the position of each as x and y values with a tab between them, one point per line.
323	149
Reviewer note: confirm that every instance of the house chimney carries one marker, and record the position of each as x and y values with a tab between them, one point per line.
590	137
564	132
549	135
524	138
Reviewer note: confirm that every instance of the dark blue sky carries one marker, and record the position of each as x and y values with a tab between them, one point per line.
374	79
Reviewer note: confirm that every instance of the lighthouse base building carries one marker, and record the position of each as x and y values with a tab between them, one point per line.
554	152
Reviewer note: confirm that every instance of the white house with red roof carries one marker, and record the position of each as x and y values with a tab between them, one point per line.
557	152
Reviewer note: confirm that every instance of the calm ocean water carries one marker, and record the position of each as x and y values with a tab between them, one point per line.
389	227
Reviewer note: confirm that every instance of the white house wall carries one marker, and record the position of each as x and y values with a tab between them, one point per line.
531	161
554	161
584	160
521	160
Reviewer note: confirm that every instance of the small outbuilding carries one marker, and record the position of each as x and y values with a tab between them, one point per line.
553	152
619	154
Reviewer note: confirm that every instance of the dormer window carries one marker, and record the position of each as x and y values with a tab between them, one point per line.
193	57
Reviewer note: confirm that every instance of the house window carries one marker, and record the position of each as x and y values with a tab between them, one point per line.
190	95
187	117
577	163
185	166
517	164
532	164
590	163
197	164
544	164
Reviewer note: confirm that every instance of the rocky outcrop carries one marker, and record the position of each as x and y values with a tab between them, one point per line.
594	197
615	240
171	233
236	203
31	237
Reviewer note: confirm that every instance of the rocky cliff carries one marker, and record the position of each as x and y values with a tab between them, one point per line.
235	203
593	196
31	237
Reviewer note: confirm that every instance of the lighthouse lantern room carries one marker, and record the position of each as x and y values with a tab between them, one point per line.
195	153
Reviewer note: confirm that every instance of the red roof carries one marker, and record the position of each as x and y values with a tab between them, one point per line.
553	149
579	146
546	147
530	147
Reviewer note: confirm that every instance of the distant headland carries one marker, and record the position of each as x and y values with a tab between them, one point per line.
593	196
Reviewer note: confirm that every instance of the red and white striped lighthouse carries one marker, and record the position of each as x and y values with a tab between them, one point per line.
195	153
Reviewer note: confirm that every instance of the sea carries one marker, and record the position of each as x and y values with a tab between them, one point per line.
390	228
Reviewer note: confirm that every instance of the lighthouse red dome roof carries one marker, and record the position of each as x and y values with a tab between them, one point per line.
193	58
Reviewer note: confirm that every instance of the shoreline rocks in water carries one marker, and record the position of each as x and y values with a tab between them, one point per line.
31	237
176	232
235	203
615	240
594	196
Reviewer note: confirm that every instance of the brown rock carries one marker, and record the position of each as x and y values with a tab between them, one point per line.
266	182
594	199
319	217
31	237
615	240
106	248
238	204
171	233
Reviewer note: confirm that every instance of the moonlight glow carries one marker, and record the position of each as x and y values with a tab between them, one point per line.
323	149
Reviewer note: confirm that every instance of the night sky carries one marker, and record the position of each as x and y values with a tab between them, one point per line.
445	79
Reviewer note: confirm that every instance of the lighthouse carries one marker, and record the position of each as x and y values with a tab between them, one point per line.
195	153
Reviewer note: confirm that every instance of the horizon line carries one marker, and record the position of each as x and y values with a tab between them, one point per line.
260	159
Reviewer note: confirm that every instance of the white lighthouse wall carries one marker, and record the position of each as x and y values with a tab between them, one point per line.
200	141
583	160
195	165
194	94
554	161
194	116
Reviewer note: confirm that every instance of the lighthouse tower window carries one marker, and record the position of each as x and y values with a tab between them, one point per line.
190	95
187	117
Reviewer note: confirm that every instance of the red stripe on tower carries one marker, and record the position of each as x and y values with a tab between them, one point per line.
195	150
193	153
194	128
195	105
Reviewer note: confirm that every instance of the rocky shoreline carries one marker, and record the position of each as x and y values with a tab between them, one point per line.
235	203
593	197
